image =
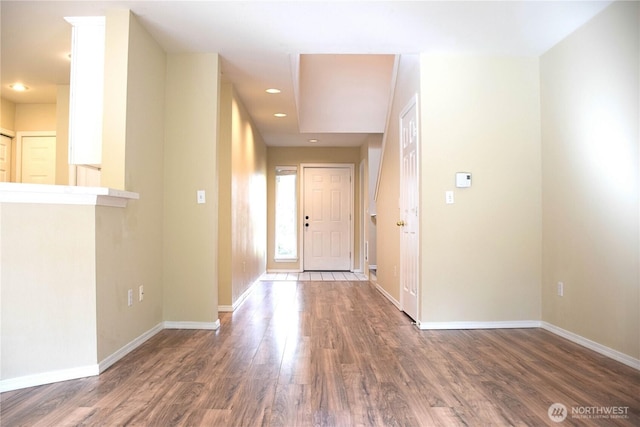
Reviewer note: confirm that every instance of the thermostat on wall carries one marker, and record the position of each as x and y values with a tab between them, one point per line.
463	179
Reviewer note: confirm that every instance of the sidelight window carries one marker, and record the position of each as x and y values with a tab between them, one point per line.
286	231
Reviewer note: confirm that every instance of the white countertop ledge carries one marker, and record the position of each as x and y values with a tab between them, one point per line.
11	192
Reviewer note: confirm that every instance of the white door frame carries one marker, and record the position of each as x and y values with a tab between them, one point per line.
410	104
363	261
19	136
303	166
12	135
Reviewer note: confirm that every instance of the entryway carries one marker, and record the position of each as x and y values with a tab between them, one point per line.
315	276
327	215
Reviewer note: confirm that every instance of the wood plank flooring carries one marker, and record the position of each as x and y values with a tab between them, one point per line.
335	354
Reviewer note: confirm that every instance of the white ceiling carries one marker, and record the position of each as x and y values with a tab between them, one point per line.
264	44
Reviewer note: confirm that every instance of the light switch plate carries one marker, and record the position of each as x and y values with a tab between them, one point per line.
201	196
448	197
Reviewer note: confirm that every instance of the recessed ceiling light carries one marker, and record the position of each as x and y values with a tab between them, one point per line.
313	140
18	87
273	90
280	115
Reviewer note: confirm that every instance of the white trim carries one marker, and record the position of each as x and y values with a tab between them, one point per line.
352	183
7	132
128	348
575	338
592	345
86	20
214	326
48	377
392	94
295	259
510	324
13	192
373	266
363	243
239	301
93	370
388	296
284	270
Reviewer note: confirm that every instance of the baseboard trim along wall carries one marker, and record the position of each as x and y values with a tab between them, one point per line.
93	370
388	296
284	270
193	325
239	301
48	377
480	325
592	345
128	348
580	340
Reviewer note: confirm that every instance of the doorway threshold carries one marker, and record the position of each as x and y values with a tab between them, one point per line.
315	276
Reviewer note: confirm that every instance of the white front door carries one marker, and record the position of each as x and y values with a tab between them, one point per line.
38	159
5	158
408	223
327	206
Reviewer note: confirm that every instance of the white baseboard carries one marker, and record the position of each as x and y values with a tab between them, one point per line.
585	342
480	325
128	348
388	296
192	325
48	377
93	370
373	266
284	270
592	345
239	301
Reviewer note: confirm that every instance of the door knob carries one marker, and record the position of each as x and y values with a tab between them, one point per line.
400	223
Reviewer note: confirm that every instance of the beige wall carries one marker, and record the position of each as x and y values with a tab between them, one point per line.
190	265
7	114
242	157
387	203
129	241
590	135
294	156
481	255
47	288
35	117
225	213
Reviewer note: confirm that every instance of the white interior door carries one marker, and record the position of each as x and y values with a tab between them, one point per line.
327	229
409	209
5	158
38	159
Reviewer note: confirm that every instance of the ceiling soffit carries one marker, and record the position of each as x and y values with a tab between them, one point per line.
344	93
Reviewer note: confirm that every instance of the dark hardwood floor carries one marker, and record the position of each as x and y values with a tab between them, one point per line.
337	354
